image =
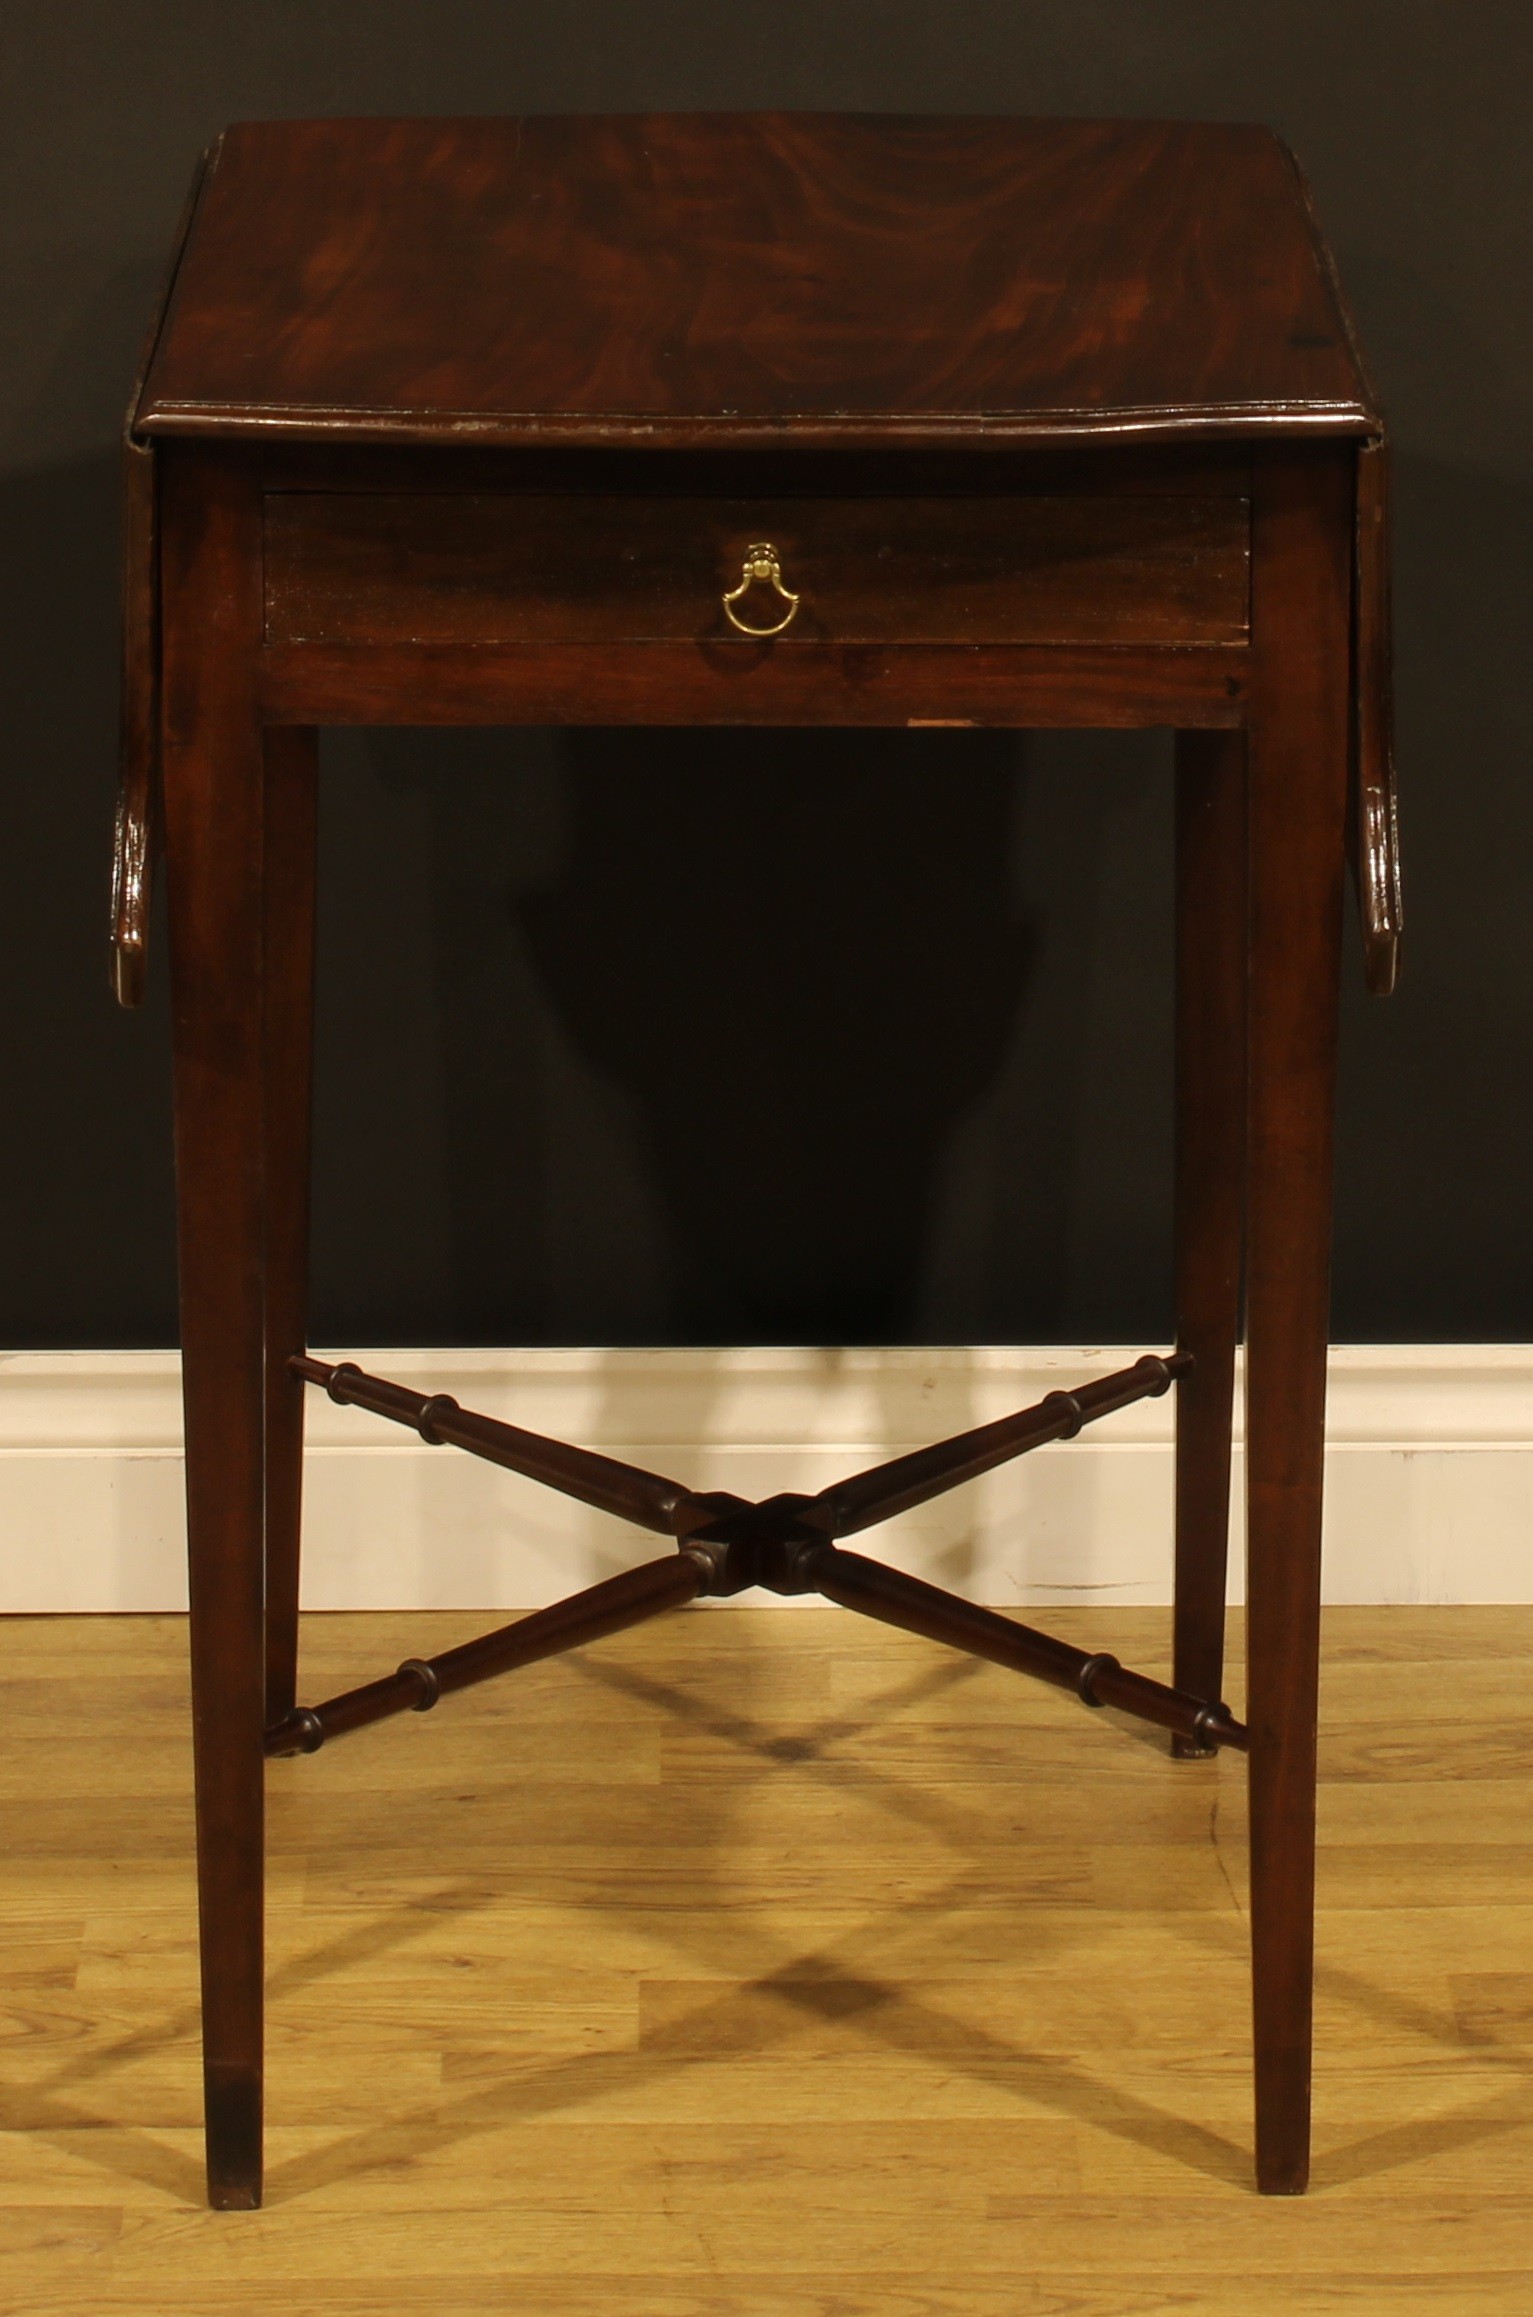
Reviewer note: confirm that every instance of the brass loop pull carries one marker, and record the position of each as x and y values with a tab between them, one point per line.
760	564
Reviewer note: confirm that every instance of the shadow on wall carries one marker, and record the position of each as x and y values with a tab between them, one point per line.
85	1174
834	1036
707	1004
679	1036
799	956
1434	1223
765	1036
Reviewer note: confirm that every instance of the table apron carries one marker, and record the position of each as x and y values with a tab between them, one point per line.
1107	686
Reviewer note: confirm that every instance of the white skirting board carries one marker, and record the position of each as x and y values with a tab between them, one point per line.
1429	1498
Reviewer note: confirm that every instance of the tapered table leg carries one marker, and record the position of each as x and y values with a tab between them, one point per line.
1298	744
213	778
1211	937
291	768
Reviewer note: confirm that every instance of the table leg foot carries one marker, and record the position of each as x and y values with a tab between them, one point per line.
233	2110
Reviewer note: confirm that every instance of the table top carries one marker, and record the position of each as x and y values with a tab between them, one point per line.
729	280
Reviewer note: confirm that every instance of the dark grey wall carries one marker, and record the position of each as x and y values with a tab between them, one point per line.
906	1076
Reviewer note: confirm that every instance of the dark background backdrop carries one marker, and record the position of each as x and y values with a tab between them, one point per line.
908	1077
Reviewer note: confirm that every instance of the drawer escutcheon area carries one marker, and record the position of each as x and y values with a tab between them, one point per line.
465	568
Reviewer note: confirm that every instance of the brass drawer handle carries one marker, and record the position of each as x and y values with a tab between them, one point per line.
760	564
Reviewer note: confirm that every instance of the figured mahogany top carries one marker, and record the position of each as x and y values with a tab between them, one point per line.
729	279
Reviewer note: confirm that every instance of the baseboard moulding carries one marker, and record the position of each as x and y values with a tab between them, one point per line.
1429	1483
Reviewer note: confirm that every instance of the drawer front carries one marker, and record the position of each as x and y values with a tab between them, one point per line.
511	568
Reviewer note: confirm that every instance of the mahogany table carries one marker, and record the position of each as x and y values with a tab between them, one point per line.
782	419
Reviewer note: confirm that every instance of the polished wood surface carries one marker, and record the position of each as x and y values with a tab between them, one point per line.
765	1963
1027	423
785	1544
736	682
215	767
290	838
1035	568
750	280
1212	973
717	277
1297	799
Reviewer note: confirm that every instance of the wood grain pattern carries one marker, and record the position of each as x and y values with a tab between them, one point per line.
731	287
1298	746
701	277
1112	466
290	834
473	568
1111	687
215	843
1212	936
808	1984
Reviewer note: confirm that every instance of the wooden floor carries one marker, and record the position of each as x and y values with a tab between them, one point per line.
763	1962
